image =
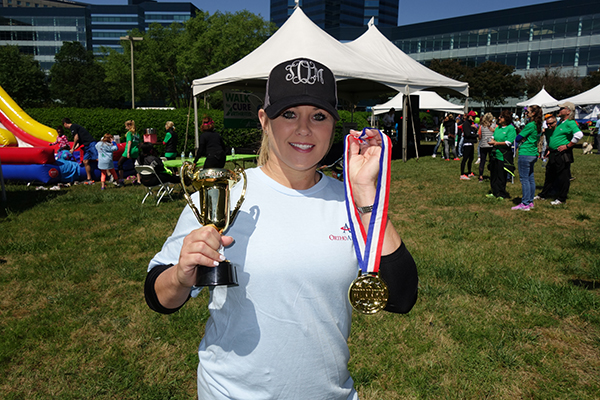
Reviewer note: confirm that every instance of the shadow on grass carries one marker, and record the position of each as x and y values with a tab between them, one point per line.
589	285
18	201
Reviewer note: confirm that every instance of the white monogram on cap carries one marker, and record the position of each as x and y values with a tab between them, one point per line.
305	72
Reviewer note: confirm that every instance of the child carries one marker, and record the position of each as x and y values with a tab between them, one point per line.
105	148
61	140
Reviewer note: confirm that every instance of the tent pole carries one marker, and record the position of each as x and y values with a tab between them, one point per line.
197	141
404	125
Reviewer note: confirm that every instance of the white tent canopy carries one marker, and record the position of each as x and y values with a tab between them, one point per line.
300	37
374	46
541	98
589	97
356	72
427	100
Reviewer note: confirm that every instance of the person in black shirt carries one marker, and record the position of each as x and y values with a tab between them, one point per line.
81	137
211	145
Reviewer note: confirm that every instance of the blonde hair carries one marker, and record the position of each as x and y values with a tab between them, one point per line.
487	120
169	125
130	125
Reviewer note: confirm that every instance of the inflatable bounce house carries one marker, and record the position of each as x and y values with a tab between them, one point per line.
27	152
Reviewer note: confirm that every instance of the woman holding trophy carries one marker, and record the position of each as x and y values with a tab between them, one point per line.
282	332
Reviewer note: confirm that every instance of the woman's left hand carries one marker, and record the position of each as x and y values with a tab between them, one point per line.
363	161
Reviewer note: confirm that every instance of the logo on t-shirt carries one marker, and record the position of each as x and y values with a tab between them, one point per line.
345	234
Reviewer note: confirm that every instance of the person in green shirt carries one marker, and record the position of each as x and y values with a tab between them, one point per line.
170	141
528	155
502	155
561	141
131	151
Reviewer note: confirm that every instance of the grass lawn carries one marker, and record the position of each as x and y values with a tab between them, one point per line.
509	303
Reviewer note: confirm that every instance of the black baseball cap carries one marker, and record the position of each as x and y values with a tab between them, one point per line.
300	82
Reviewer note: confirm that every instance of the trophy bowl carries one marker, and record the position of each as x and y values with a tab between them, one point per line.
213	186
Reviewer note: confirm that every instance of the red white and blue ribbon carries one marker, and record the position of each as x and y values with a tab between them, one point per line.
368	242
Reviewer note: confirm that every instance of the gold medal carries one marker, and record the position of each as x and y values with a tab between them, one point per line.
368	294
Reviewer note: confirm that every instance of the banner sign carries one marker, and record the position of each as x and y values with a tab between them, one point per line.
240	109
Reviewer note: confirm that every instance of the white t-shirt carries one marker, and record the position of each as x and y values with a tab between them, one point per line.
282	333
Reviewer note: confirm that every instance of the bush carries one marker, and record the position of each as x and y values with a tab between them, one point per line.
99	121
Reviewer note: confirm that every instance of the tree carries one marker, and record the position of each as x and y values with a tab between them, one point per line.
22	78
168	59
558	83
590	81
77	79
453	69
491	83
215	42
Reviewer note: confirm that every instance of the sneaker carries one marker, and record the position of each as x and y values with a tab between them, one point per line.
490	196
464	178
478	161
88	182
556	202
457	159
433	156
471	174
102	188
519	207
539	198
500	198
527	207
115	183
56	187
480	179
446	159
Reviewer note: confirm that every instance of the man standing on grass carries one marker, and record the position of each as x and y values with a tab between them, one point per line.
561	140
81	137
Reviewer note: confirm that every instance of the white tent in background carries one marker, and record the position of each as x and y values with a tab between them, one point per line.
589	97
541	98
374	46
427	100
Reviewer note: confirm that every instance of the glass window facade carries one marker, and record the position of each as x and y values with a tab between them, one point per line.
570	42
41	31
331	14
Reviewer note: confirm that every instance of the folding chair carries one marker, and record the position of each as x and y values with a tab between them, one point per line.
163	188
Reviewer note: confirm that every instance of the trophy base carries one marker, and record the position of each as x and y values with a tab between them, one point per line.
223	274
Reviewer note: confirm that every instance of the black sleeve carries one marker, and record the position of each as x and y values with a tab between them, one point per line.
150	291
399	271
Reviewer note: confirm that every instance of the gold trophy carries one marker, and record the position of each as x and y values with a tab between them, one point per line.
213	185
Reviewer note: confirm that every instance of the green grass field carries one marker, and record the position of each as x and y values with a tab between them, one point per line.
509	303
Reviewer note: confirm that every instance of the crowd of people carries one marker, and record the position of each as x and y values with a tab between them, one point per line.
100	154
506	138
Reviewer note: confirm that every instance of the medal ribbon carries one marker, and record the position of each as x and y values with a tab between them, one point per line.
368	243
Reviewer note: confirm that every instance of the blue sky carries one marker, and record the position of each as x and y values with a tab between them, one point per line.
411	11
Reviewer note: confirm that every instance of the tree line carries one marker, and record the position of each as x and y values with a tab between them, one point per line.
491	83
166	62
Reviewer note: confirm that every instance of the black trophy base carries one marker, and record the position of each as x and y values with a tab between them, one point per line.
223	274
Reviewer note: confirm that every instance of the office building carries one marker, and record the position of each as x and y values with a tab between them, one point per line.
39	27
562	33
332	14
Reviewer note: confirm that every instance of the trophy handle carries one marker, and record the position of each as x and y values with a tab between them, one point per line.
183	175
242	196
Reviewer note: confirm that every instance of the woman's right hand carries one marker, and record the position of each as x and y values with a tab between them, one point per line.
200	247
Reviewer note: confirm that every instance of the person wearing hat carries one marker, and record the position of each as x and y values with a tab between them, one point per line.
282	333
469	140
561	141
